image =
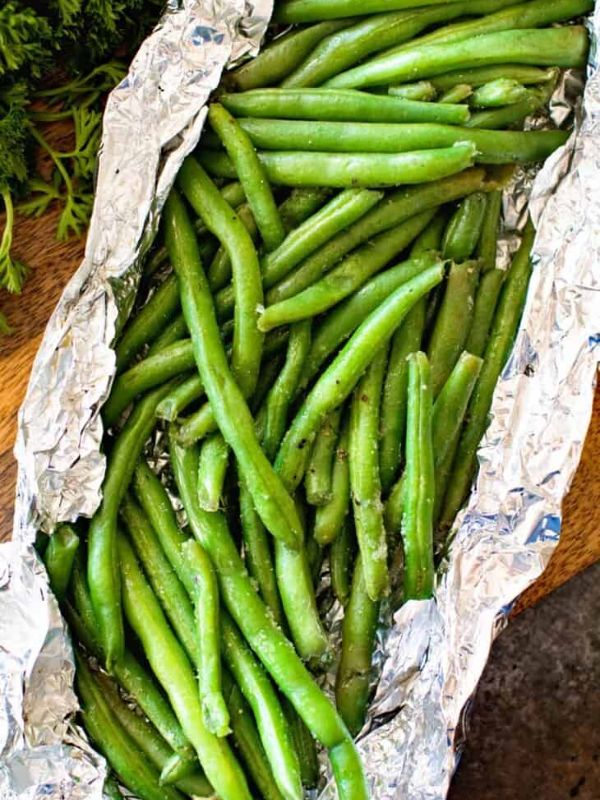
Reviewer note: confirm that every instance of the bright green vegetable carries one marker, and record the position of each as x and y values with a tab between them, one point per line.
219	270
486	299
309	10
513	114
480	75
329	518
341	559
457	94
214	460
174	332
500	92
488	240
464	228
318	479
421	90
171	406
59	557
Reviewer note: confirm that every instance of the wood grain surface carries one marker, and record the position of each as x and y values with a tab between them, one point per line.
52	265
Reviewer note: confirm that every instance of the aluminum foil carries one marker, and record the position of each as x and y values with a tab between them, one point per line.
432	656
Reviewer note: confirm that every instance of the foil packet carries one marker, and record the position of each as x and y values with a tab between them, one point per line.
431	658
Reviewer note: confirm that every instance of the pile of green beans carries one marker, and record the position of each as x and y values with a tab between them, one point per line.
305	381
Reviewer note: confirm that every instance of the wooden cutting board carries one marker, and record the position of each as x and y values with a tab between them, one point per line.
53	264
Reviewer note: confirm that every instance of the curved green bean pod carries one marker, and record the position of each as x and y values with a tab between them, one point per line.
258	627
457	94
59	557
148	322
352	680
308	10
341	558
419	483
347	277
336	383
363	458
501	92
497	147
250	174
282	56
341	105
480	75
486	300
300	204
448	414
219	270
421	90
463	230
270	719
488	239
318	478
102	571
349	170
563	47
284	389
329	518
453	322
171	406
257	552
146	374
174	332
345	209
513	114
121	752
272	502
147	738
504	327
206	200
214	460
209	629
173	670
340	323
393	209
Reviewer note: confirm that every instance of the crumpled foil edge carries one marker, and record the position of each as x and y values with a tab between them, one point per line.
436	650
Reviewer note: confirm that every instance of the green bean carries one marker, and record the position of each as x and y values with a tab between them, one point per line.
308	10
282	56
406	340
204	197
59	557
171	406
488	239
347	277
121	752
148	322
102	567
249	746
294	579
500	92
127	670
329	519
274	505
146	737
563	47
295	168
344	106
260	630
270	719
492	147
208	626
258	555
430	239
419	483
198	425
480	75
421	90
336	383
448	414
284	389
341	559
300	204
486	300
214	460
174	332
173	670
352	680
318	478
365	484
146	374
343	320
464	228
219	270
514	113
250	173
453	322
457	94
345	209
504	326
304	744
163	579
393	209
269	373
350	46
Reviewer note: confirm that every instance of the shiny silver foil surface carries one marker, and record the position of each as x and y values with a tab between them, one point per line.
431	658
